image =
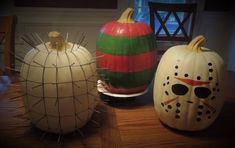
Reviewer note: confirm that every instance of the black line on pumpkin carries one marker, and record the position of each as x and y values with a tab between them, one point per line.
26	79
85	76
43	89
77	99
44	116
78	117
75	84
72	77
36	86
40	100
63	97
38	64
88	81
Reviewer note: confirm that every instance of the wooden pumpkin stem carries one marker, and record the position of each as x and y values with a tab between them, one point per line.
126	16
57	41
196	43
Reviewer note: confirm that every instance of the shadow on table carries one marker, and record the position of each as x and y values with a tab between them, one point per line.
28	134
131	102
222	128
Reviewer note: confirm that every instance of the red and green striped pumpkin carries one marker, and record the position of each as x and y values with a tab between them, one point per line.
128	55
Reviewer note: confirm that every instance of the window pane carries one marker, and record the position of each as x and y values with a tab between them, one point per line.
142	15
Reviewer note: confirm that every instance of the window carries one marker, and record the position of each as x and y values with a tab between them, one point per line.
142	14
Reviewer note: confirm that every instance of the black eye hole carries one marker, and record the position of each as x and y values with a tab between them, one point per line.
202	92
179	89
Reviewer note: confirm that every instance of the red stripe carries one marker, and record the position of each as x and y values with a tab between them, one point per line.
192	82
126	90
115	28
170	101
133	63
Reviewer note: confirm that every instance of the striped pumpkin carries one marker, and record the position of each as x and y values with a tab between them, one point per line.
128	55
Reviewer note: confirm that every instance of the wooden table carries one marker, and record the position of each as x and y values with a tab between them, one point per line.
130	123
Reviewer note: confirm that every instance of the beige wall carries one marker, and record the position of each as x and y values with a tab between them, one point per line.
73	21
214	25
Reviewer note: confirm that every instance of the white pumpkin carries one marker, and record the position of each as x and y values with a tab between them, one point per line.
58	83
189	85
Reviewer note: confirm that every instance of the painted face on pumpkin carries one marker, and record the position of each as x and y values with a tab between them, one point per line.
190	89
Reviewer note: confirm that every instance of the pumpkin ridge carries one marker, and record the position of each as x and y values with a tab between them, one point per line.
120	45
127	63
112	28
120	79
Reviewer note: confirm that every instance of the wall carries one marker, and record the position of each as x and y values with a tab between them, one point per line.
214	25
71	20
231	48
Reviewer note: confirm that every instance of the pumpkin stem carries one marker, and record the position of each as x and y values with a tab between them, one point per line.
126	16
57	41
196	43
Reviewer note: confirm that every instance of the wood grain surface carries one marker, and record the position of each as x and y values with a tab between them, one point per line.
122	123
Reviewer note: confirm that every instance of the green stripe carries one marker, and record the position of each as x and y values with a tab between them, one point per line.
123	45
128	80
